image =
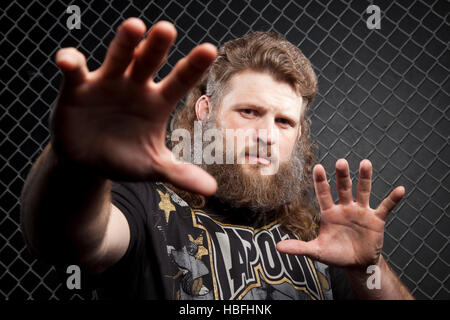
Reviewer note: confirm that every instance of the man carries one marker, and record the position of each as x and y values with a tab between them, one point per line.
256	237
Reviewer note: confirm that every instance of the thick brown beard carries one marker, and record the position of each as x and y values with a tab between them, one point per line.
259	193
252	190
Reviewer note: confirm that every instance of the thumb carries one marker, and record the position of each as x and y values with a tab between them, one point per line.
190	177
310	248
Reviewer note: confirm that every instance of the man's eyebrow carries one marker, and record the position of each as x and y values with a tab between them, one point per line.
253	105
247	105
289	116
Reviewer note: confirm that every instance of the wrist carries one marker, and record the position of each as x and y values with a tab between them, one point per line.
68	167
80	178
360	274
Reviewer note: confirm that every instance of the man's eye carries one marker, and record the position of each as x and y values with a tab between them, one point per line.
248	112
284	121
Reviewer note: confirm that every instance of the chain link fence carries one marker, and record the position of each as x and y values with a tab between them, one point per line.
383	95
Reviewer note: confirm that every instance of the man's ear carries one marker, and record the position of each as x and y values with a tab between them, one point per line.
202	107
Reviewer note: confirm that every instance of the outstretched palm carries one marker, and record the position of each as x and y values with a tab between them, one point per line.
114	119
351	233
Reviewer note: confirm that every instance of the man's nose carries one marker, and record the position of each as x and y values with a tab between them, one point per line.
267	131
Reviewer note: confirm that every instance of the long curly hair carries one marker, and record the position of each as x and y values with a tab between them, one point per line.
271	53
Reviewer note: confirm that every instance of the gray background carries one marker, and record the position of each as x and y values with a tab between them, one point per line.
383	95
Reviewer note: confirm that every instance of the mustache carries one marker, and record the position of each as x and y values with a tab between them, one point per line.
260	151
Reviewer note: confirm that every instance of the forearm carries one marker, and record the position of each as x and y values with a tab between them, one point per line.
390	287
64	209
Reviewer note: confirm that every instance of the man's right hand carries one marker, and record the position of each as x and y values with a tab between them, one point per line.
113	120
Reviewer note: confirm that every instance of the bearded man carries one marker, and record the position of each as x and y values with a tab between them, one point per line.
169	229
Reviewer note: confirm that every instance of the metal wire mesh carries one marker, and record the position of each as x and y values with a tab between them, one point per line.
383	95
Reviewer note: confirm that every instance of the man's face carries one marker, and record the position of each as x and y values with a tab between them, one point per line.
270	109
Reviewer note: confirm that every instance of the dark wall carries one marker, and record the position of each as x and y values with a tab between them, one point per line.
383	95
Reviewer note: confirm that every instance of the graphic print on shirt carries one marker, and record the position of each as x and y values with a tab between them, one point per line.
192	270
221	261
247	265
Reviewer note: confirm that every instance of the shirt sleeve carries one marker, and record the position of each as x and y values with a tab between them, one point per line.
133	201
122	279
340	285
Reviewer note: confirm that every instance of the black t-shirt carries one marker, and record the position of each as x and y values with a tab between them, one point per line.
177	252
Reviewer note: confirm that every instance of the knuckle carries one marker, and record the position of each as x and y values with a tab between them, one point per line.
324	190
347	186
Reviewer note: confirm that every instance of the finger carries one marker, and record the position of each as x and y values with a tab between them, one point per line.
364	183
322	188
121	49
187	72
389	203
188	176
73	65
343	181
153	51
137	53
310	248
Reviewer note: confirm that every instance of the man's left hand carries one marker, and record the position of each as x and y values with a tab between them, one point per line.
350	233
